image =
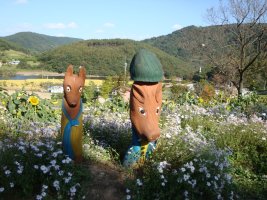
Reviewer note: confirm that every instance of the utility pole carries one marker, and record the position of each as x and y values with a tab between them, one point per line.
125	67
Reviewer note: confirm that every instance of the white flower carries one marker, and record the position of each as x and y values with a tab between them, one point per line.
60	173
54	154
73	189
36	166
7	172
56	184
128	197
162	165
17	163
127	190
56	167
39	155
43	194
185	193
194	182
186	177
228	178
22	148
39	197
34	147
69	174
53	162
160	170
66	180
163	184
20	170
67	160
44	169
208	184
139	182
192	168
11	184
44	187
168	136
2	189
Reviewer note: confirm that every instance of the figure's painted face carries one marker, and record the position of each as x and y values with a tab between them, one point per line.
73	85
145	105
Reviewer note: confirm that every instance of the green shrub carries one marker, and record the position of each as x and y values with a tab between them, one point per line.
177	91
249	158
90	92
107	87
30	107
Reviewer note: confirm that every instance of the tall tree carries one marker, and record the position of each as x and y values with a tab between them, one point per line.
245	42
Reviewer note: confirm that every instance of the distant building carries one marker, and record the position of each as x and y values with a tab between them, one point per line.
14	62
55	89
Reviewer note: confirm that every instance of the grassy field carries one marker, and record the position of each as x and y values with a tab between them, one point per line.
15	54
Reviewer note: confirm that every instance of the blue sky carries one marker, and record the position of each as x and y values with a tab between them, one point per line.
102	19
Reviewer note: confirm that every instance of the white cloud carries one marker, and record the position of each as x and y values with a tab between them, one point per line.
99	31
21	1
109	25
72	25
55	26
60	25
60	35
177	26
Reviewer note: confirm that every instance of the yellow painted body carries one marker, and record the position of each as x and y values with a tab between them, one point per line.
76	136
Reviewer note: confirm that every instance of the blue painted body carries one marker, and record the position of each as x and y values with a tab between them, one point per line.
139	149
71	133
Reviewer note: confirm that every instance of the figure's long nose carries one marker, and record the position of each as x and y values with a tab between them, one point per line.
73	104
153	135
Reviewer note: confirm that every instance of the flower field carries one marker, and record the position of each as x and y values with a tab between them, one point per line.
208	149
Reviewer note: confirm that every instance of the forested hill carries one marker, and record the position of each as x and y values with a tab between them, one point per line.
185	43
192	42
7	45
37	43
108	57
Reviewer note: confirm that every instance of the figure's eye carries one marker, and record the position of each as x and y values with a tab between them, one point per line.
157	111
68	89
142	111
81	89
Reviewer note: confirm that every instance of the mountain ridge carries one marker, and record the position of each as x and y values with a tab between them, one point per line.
37	43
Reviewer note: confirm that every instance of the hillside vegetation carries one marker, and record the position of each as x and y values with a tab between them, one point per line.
108	57
7	45
37	43
192	43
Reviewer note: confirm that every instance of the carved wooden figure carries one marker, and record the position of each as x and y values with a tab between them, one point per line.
71	119
145	105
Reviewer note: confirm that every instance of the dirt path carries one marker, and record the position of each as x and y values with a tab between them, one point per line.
106	184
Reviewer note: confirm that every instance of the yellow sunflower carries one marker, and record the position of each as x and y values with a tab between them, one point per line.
200	100
33	100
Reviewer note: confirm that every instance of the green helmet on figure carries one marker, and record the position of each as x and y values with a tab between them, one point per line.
146	67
